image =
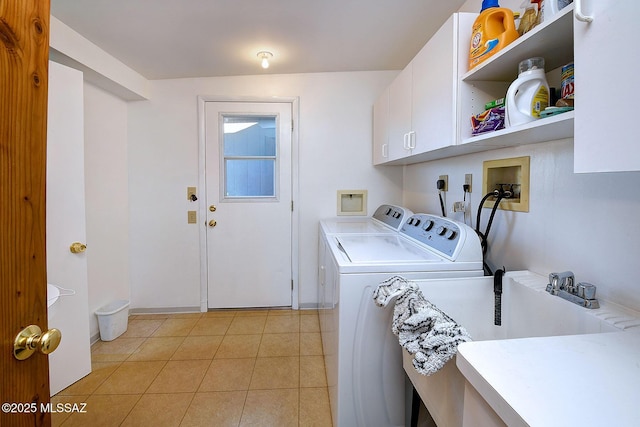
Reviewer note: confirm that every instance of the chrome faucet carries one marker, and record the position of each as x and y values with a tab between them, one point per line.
563	285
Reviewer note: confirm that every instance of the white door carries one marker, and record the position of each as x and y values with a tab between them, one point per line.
248	203
65	225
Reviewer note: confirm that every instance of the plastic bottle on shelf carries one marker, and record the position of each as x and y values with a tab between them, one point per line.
528	95
529	17
492	30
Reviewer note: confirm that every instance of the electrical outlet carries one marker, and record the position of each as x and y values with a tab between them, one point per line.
445	178
467	180
458	207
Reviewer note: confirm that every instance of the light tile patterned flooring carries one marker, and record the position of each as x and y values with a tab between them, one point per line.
221	368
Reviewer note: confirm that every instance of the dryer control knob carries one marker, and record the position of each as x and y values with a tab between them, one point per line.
450	234
428	225
441	230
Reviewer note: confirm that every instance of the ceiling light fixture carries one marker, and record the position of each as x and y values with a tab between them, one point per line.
265	57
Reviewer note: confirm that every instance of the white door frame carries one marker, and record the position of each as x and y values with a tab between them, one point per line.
202	208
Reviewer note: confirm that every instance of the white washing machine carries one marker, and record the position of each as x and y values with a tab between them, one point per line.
363	359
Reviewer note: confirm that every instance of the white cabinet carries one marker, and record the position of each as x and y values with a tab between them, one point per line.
434	102
381	128
443	95
606	60
446	95
422	100
400	114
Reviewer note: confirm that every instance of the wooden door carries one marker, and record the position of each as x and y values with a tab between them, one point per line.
24	54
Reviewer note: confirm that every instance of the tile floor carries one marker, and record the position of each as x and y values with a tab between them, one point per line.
222	368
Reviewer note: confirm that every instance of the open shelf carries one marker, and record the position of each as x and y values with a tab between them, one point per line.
552	40
555	127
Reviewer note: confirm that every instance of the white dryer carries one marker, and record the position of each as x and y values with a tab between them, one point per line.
386	219
363	359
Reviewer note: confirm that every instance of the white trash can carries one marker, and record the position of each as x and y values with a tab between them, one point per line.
113	319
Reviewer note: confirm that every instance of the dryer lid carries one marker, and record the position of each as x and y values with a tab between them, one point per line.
384	249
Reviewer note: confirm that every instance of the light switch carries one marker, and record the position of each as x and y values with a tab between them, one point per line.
191	194
192	217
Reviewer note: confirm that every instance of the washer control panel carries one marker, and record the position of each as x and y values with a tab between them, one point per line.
434	231
393	216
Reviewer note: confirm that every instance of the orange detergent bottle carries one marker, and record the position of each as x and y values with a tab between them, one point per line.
493	29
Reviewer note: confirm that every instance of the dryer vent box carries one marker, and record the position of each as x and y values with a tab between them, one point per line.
352	202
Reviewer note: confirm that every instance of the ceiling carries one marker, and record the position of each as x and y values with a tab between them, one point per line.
164	39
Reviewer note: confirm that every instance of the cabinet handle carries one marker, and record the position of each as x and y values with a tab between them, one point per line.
405	141
577	10
385	150
412	140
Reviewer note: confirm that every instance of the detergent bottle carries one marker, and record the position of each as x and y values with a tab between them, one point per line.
528	95
492	30
548	8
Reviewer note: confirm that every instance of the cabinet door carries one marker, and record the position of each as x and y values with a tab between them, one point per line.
381	129
399	113
434	89
605	137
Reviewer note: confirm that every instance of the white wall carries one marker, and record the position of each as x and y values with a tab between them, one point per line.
107	199
335	134
586	223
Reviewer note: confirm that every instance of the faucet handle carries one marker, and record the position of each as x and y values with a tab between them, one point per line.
561	281
586	290
553	286
566	280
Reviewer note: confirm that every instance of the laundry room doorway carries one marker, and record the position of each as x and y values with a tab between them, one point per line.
246	164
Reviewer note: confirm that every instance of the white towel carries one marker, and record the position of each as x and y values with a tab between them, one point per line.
425	331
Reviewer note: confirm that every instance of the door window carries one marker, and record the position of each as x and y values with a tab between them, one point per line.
250	157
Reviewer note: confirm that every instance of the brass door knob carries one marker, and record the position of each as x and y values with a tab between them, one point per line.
32	339
212	223
77	247
212	208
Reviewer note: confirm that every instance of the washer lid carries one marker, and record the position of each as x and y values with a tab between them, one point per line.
383	249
